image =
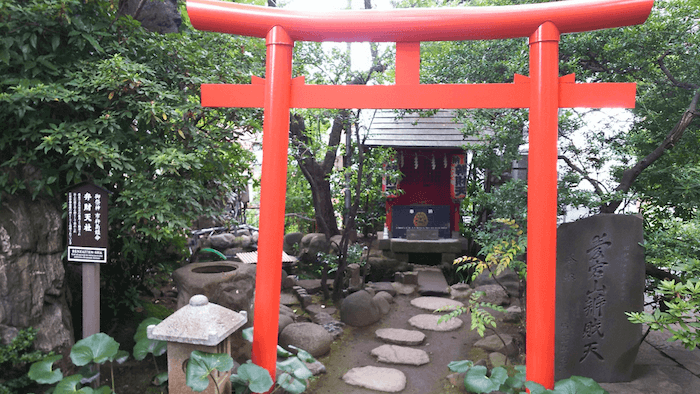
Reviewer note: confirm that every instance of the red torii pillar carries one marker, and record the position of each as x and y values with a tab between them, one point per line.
544	92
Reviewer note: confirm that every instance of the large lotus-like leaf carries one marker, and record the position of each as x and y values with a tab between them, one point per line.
248	334
42	372
145	346
201	364
460	366
96	348
69	385
303	355
578	385
258	378
295	367
161	378
142	330
476	381
290	384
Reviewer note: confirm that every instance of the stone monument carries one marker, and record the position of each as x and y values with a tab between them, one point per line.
600	276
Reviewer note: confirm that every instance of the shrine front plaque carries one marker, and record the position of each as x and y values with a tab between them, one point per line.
600	276
421	221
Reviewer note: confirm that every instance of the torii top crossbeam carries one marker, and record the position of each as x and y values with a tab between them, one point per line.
543	92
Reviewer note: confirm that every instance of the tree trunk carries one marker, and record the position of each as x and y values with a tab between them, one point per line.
317	173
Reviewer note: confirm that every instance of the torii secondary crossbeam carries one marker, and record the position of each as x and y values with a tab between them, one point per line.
543	92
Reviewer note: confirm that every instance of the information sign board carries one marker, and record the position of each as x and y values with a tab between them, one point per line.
87	224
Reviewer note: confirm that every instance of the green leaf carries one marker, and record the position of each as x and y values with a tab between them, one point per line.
69	385
201	365
303	355
296	367
476	381
103	390
55	42
142	329
146	345
290	384
248	334
282	352
121	357
258	378
161	378
96	348
460	366
41	371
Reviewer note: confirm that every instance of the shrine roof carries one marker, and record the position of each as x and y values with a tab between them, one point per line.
410	130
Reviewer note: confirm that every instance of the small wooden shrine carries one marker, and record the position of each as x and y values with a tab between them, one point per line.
430	153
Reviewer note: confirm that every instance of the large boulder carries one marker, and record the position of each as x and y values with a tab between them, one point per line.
32	277
508	279
311	244
359	310
226	283
292	243
308	336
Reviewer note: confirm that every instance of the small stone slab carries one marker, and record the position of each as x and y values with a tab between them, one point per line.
431	282
387	380
430	322
400	336
288	299
394	354
433	303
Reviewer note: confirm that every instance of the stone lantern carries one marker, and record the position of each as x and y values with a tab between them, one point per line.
201	326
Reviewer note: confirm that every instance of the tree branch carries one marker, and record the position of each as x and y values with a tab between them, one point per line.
595	183
631	174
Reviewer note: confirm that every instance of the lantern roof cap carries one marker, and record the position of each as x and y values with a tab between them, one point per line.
199	323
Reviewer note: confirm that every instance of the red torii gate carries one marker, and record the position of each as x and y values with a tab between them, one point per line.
543	92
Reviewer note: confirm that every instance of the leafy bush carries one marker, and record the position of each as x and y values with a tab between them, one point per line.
478	380
96	349
14	358
88	95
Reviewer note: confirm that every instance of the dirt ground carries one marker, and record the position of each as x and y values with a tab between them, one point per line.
354	347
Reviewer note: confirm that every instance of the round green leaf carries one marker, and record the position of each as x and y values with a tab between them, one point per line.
460	366
295	367
69	385
303	355
201	364
41	371
248	334
290	384
258	378
161	378
499	375
282	352
476	381
142	330
96	348
145	346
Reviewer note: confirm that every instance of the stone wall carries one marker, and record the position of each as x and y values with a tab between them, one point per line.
32	276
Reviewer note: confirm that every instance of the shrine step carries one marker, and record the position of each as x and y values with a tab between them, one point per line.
431	282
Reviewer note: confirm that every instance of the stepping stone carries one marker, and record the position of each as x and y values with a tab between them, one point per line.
431	282
430	322
394	354
387	380
433	303
400	336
